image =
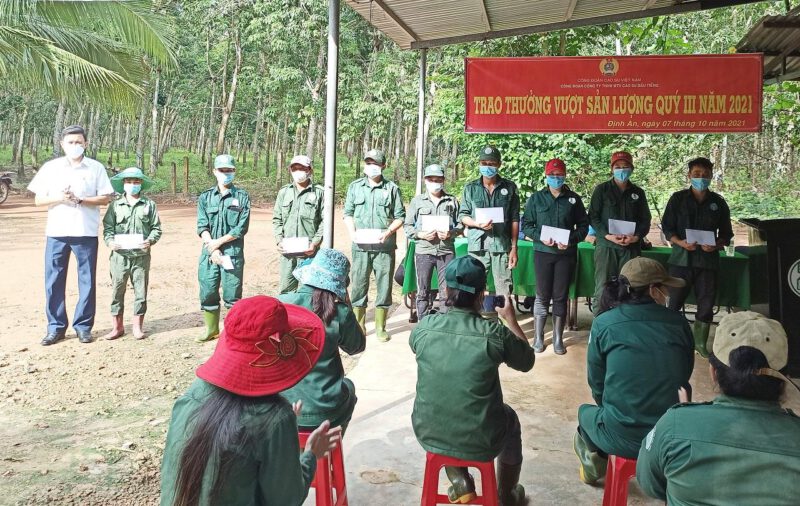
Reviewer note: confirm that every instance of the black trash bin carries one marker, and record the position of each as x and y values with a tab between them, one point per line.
783	278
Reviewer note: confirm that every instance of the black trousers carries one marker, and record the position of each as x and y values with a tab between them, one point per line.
425	265
553	276
705	290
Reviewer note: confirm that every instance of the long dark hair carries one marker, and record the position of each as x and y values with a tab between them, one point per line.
323	304
217	429
619	291
741	380
462	298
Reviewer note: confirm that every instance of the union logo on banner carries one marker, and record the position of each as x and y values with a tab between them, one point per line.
609	66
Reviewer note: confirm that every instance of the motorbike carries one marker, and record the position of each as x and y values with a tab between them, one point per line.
5	186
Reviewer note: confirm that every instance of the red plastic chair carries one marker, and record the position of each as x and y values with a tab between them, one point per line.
329	482
430	487
620	471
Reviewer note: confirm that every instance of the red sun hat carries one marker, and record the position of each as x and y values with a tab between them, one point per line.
621	155
553	165
265	348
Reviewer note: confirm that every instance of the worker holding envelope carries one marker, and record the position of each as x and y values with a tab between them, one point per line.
432	222
620	216
555	220
697	222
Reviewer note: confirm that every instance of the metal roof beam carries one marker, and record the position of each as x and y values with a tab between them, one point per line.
689	6
402	24
791	76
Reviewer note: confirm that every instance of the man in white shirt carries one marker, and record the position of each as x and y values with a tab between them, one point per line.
73	187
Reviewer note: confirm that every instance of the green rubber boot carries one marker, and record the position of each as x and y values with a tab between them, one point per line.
462	490
700	331
361	317
593	466
380	324
509	490
212	326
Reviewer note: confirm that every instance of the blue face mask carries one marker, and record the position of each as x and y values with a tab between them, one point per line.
132	188
622	174
555	182
225	178
487	170
700	184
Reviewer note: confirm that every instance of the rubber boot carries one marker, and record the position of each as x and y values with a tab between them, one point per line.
462	489
592	465
538	324
212	326
700	331
138	331
117	327
558	335
361	318
509	490
380	324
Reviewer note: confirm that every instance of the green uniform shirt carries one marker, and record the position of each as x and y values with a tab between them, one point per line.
224	214
323	392
609	202
475	196
423	205
298	213
374	207
730	451
565	211
458	410
684	211
267	470
139	218
637	358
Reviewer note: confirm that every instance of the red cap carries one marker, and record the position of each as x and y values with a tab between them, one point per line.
266	347
554	164
621	155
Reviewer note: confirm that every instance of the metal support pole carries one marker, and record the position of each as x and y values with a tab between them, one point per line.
423	67
330	120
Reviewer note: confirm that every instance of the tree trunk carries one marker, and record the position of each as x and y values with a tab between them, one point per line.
406	151
228	108
61	113
154	127
140	134
267	148
314	89
34	149
21	144
127	138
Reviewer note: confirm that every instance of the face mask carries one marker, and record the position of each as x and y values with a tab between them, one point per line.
487	170
700	184
299	176
132	188
433	187
73	151
666	297
225	178
555	182
622	174
372	170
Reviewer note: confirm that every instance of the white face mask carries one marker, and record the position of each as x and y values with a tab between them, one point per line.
372	170
73	151
132	189
300	176
433	187
665	295
223	178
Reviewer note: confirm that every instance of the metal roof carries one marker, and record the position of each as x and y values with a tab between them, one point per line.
417	24
778	37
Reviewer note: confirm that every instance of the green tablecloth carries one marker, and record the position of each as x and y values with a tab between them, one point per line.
733	290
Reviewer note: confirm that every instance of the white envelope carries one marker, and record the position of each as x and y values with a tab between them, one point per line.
368	236
621	227
227	263
428	223
559	235
129	241
487	214
292	245
701	237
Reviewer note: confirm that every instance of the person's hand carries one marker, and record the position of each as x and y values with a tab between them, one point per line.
311	251
427	236
213	245
549	242
486	226
591	239
323	439
630	239
297	407
145	245
512	259
683	395
687	245
216	257
443	236
562	246
709	249
616	239
386	235
279	246
114	246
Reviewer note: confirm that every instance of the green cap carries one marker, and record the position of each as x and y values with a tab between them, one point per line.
434	171
118	181
490	153
466	273
377	155
224	162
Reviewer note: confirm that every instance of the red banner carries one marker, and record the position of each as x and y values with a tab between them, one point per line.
614	94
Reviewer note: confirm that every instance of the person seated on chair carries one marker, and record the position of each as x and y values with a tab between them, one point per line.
325	392
459	410
741	448
639	354
232	440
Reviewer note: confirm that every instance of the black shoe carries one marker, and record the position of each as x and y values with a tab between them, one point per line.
52	338
84	336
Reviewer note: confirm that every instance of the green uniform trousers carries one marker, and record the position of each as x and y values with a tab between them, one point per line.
598	436
288	283
607	264
137	269
210	276
364	263
498	262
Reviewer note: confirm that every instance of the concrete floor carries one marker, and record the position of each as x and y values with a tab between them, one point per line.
384	462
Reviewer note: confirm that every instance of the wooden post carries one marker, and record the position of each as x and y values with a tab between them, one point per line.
174	178
186	175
